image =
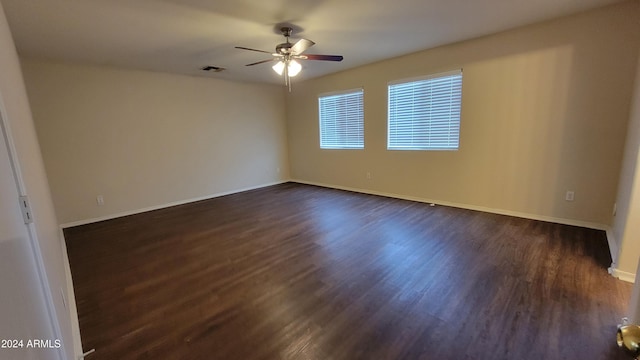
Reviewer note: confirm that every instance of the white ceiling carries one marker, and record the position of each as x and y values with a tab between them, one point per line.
181	36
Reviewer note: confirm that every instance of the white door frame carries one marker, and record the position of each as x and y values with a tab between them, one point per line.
5	130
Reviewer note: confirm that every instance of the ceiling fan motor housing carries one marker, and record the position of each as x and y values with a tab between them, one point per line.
284	48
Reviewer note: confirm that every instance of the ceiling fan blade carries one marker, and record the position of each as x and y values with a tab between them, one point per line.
245	48
322	57
261	62
300	46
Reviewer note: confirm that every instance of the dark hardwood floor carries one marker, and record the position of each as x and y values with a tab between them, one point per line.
302	272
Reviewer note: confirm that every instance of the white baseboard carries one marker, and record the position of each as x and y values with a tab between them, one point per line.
613	270
613	247
622	275
70	298
70	294
163	206
556	220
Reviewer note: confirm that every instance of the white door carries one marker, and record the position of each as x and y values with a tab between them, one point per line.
23	312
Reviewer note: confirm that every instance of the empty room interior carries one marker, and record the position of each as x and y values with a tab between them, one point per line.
192	179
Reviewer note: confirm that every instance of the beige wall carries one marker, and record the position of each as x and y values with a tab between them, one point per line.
544	111
144	139
32	181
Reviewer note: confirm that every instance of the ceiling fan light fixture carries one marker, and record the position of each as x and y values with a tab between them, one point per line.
278	67
294	68
286	55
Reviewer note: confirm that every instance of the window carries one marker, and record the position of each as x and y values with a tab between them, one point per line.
342	120
425	114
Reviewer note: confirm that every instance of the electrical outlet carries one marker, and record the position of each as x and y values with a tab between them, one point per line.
569	196
368	175
100	200
615	209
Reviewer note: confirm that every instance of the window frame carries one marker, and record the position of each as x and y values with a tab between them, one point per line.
353	91
415	147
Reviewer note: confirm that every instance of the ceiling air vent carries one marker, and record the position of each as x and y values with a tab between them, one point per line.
213	68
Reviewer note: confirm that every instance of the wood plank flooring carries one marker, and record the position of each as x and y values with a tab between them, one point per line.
301	272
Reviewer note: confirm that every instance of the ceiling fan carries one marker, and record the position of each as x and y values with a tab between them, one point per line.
287	53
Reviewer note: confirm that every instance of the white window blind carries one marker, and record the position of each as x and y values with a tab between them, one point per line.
342	120
425	114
